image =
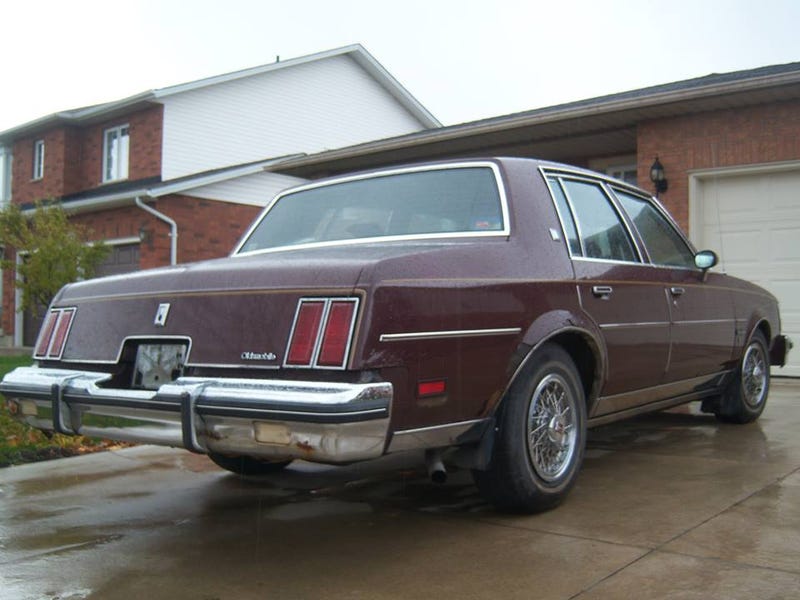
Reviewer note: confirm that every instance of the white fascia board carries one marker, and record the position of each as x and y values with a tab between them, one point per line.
122	198
166	188
542	116
284	64
395	88
356	51
80	114
100	109
100	202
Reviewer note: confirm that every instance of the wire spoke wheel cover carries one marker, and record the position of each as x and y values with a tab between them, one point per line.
755	374
540	436
552	427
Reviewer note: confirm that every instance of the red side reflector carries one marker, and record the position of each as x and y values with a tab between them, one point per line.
336	337
60	337
305	332
46	333
431	388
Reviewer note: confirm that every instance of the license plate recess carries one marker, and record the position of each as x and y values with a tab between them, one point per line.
157	364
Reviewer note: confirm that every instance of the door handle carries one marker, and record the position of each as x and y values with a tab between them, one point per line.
677	291
602	291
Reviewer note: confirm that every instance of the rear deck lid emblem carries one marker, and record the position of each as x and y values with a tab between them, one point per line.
161	315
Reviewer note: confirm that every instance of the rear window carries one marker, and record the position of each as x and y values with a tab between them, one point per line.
428	203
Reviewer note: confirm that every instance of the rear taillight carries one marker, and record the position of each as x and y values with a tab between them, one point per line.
322	332
54	332
336	338
46	334
305	333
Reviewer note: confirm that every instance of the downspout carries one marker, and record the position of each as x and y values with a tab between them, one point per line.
173	228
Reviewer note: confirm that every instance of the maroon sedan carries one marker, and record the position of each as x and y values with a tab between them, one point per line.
486	311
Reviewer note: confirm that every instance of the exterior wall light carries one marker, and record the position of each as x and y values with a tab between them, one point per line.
145	235
657	177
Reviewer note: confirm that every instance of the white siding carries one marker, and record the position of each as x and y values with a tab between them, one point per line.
255	190
309	108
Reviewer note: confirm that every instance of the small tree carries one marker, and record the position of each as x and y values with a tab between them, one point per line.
55	251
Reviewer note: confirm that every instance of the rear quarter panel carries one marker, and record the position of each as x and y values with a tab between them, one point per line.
490	284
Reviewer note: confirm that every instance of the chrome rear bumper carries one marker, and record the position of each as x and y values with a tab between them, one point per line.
273	419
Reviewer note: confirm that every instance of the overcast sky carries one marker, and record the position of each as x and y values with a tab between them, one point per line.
463	60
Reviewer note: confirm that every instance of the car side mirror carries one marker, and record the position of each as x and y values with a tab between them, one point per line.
705	259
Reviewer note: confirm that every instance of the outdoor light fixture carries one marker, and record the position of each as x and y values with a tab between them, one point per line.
144	234
657	177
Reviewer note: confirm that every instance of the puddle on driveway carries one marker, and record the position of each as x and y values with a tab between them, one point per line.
55	543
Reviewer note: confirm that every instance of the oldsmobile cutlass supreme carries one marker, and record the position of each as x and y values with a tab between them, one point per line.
486	311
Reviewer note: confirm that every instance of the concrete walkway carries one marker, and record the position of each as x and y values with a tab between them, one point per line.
672	505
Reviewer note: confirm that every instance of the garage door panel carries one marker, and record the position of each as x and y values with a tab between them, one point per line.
783	246
753	222
740	246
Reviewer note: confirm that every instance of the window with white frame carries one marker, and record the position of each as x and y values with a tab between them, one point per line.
626	173
116	146
38	159
5	174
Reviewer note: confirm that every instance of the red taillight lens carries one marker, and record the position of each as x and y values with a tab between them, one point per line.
336	338
322	332
46	333
53	336
304	335
60	336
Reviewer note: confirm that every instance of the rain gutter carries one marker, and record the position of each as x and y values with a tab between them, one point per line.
173	227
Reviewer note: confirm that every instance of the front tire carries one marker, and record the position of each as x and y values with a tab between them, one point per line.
246	465
541	437
746	396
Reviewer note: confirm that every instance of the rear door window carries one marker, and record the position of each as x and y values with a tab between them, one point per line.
602	233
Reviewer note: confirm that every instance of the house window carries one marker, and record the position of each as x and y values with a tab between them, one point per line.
38	159
5	175
116	145
626	173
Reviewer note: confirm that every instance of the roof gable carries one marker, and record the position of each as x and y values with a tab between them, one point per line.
99	112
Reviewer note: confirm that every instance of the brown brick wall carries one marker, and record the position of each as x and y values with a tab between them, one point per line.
206	229
51	185
74	156
145	130
742	136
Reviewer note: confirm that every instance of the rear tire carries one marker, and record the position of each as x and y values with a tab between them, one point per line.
746	396
540	438
246	465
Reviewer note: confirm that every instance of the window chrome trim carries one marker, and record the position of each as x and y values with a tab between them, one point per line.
557	181
441	335
599	181
659	208
501	192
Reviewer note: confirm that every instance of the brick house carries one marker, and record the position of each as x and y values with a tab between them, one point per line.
177	174
729	144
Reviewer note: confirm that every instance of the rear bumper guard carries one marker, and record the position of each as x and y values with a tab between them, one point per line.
273	419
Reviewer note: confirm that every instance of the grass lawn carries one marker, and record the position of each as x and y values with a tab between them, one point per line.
21	444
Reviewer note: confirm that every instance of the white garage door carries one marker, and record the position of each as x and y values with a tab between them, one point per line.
752	220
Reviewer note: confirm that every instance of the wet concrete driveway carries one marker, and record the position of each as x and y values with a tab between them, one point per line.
671	505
